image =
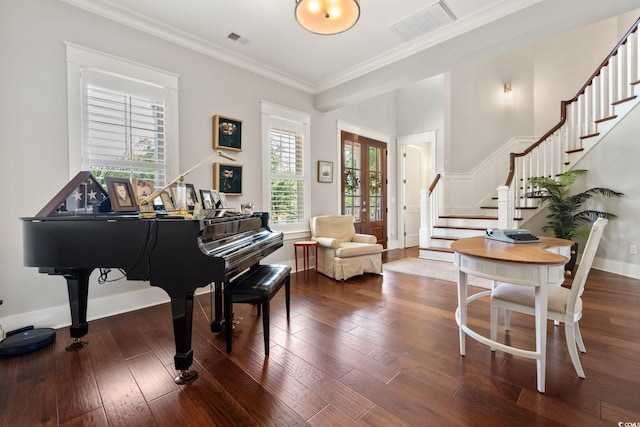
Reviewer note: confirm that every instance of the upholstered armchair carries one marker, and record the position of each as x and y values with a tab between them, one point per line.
343	253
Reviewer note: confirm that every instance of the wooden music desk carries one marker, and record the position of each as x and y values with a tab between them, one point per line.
529	264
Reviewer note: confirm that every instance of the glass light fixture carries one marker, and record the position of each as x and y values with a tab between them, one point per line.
327	16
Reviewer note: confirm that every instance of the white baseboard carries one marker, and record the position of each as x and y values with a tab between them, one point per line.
97	308
617	267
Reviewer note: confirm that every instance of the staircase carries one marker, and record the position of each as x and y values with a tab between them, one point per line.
605	99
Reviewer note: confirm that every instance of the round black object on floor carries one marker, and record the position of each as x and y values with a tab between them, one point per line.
27	341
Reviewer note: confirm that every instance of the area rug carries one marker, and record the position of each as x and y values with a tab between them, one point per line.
442	270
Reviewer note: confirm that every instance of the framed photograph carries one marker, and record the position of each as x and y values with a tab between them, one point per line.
227	133
325	171
205	196
224	204
215	199
121	194
192	196
167	201
227	178
143	188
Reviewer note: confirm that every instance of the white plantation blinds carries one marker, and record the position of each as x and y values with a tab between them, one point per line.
125	125
286	169
123	117
287	176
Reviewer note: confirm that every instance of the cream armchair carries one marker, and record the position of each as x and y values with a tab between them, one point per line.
343	253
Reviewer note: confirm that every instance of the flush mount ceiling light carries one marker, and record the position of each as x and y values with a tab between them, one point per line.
327	16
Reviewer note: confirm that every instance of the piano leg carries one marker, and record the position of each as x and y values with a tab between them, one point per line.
182	311
78	289
217	325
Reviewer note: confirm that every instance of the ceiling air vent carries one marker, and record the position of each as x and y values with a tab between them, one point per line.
422	22
238	38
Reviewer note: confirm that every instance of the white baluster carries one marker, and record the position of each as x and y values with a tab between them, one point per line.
623	72
613	79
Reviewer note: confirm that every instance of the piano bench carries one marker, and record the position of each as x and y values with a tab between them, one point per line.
256	286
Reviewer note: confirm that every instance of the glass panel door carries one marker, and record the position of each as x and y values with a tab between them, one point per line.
364	184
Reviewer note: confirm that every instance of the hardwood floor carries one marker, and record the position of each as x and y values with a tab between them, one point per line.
374	351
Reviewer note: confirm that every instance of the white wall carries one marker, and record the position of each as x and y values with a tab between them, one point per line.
613	163
542	75
34	151
563	64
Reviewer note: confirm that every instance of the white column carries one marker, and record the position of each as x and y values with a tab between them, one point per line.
425	222
505	210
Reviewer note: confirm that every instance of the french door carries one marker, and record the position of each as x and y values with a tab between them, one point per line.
364	184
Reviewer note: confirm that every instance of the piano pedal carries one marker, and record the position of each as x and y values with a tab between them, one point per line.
186	377
76	344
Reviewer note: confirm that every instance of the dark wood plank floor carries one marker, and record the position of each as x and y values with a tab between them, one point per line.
375	351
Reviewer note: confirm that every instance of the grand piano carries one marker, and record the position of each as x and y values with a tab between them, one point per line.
175	254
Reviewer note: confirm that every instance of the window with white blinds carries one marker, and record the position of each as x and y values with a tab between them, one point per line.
124	135
122	117
286	156
287	180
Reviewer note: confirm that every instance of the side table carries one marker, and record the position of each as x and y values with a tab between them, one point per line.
305	245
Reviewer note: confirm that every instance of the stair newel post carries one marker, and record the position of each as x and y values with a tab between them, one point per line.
425	219
506	209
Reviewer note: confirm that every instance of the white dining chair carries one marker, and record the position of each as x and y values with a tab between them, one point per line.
564	305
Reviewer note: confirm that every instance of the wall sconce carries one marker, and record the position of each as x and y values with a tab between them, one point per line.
508	92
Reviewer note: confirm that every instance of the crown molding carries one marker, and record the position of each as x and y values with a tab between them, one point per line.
153	27
189	41
440	35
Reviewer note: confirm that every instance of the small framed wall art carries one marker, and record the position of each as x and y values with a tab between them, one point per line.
325	171
227	178
121	194
227	133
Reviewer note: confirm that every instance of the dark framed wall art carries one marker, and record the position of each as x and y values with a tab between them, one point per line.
227	133
227	178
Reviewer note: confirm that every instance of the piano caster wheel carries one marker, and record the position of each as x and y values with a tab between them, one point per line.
186	377
76	345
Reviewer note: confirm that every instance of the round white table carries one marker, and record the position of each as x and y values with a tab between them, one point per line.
529	264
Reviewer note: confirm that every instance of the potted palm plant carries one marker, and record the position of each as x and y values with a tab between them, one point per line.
567	216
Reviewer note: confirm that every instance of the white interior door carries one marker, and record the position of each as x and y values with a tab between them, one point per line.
412	183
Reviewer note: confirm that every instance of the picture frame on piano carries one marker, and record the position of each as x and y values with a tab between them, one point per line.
143	187
205	197
227	178
167	201
192	197
121	194
224	204
215	199
79	195
227	133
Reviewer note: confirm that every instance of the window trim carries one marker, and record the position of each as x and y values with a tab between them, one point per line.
79	57
273	111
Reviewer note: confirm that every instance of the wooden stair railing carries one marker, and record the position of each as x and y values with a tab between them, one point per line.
611	84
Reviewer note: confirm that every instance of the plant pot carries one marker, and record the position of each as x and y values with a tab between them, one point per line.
570	266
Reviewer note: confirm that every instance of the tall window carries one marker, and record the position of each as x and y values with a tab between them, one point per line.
122	117
287	181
